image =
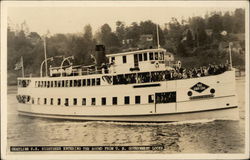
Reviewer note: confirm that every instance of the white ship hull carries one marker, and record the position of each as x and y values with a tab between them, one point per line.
228	113
200	105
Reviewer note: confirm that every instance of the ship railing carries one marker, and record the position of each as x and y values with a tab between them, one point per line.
75	72
156	76
23	82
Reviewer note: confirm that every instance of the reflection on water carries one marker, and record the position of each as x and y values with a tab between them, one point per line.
181	137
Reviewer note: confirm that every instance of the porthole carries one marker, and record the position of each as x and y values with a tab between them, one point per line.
189	93
212	90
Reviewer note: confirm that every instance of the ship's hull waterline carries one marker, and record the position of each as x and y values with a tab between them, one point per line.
229	113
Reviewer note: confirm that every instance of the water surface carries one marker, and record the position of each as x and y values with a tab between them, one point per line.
206	136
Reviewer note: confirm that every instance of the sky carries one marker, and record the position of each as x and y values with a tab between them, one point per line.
66	19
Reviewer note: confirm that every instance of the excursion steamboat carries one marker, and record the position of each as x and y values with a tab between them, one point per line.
140	86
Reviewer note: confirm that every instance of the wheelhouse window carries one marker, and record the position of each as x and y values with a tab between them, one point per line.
75	101
137	99
62	83
151	56
150	98
161	56
124	59
32	100
140	57
93	101
103	101
45	100
114	100
156	56
126	100
112	59
59	83
145	56
83	101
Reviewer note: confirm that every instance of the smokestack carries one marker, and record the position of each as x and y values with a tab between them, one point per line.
100	54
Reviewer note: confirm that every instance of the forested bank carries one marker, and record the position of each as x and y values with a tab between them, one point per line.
195	41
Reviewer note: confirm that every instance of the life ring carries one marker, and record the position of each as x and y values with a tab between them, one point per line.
68	70
179	64
157	64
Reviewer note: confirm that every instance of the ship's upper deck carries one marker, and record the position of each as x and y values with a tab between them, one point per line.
140	60
121	63
136	52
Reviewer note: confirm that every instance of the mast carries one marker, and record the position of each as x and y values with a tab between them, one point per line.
157	31
230	55
45	56
22	66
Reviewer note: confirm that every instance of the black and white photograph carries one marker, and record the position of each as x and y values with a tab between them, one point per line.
124	80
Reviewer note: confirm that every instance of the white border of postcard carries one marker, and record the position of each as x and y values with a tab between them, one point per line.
68	155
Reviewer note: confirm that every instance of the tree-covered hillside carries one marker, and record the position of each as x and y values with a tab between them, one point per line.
196	41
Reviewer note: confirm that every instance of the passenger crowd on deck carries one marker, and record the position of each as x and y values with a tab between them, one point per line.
181	73
174	74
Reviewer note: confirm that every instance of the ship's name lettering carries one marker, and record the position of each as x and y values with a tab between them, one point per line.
199	87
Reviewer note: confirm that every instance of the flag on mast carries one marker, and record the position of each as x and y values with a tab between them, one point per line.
19	65
93	58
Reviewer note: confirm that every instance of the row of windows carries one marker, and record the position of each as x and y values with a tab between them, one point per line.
142	77
69	83
144	57
164	97
150	56
83	101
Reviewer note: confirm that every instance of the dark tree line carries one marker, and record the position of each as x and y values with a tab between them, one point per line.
195	37
197	32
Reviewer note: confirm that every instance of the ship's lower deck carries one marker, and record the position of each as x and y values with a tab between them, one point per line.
216	108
